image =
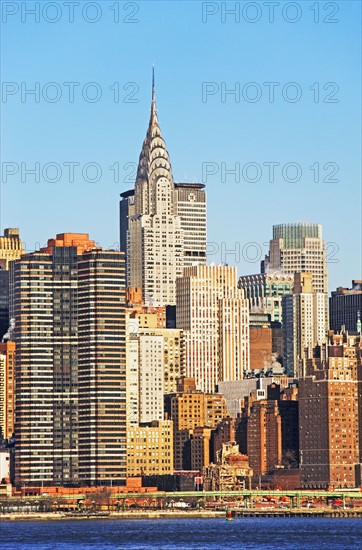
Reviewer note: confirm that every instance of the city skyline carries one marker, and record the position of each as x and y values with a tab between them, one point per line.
202	136
180	271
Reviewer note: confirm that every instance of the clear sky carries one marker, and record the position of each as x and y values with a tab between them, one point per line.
311	128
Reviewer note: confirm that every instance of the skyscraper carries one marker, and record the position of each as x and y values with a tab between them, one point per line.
155	360
4	299
190	409
214	315
345	307
305	323
150	449
11	248
330	428
155	248
69	309
264	436
7	388
265	291
191	207
101	368
162	223
298	247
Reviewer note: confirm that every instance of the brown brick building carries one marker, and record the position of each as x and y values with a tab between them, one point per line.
223	433
190	409
7	388
200	439
289	413
330	416
264	436
261	348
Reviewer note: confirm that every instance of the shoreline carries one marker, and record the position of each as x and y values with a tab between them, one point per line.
163	514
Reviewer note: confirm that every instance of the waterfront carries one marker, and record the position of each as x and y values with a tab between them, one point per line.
184	534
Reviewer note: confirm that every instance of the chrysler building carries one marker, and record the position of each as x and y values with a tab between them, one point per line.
162	223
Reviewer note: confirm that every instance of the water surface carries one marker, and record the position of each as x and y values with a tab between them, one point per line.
184	534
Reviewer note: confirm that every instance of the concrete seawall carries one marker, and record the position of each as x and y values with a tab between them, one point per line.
167	514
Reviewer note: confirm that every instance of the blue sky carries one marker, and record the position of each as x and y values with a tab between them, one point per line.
204	133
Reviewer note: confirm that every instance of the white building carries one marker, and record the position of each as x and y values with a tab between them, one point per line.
305	323
214	316
155	242
155	359
298	248
151	378
132	374
191	207
162	223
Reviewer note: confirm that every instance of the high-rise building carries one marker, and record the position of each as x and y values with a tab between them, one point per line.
200	440
155	360
264	436
151	377
132	370
267	428
305	322
150	449
7	388
298	247
265	291
162	223
101	368
155	244
126	211
288	410
214	316
259	432
345	308
223	433
191	207
4	299
266	340
190	409
261	341
330	416
68	304
11	248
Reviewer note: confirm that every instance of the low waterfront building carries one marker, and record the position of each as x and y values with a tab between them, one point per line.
229	472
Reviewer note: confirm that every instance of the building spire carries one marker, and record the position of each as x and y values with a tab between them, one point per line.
153	106
153	83
154	162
